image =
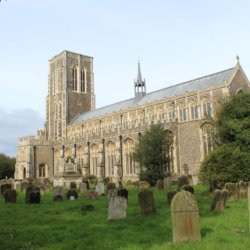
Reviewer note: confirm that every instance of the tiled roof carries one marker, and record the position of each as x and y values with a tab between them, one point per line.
201	83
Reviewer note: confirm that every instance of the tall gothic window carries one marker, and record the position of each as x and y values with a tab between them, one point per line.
94	159
207	109
194	111
207	138
75	78
83	82
129	161
111	158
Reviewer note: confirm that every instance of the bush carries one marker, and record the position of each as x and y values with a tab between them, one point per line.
225	164
72	185
92	178
72	192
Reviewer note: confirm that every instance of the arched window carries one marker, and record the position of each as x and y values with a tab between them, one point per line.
75	78
194	111
207	138
79	156
42	170
111	158
207	111
83	82
129	161
94	159
182	113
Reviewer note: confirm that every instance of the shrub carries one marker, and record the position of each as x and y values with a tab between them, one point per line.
92	178
72	192
72	185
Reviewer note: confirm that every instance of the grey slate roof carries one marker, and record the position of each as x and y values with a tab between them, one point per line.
201	83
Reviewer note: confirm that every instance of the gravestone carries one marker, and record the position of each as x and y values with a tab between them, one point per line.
217	201
10	195
230	187
243	189
225	196
117	207
4	187
146	201
100	188
58	193
83	187
188	188
185	218
167	182
123	192
32	194
72	193
160	184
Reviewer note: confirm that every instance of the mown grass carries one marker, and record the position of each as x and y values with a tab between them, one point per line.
63	225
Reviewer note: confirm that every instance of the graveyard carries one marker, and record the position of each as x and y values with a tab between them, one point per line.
83	223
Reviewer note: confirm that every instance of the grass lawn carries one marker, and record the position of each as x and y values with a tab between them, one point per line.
63	225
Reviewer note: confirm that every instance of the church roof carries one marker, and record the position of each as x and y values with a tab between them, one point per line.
197	84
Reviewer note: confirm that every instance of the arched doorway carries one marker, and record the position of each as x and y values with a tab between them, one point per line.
24	173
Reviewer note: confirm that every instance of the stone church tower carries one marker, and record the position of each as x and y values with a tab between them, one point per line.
70	91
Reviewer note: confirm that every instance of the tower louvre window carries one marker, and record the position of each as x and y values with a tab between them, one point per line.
75	78
83	81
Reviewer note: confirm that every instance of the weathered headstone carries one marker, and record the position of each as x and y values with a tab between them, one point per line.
160	184
4	187
100	188
72	193
83	187
217	201
93	195
10	195
146	201
243	189
117	207
185	218
32	194
225	196
230	187
167	182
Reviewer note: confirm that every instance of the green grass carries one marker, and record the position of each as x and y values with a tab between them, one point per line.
63	225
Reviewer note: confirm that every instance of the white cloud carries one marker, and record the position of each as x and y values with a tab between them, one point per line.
15	124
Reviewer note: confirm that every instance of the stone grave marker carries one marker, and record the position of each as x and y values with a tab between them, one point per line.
185	218
243	189
83	187
10	195
117	206
217	201
146	201
167	182
100	188
160	184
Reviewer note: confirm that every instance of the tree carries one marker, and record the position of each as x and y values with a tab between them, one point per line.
7	166
151	153
230	160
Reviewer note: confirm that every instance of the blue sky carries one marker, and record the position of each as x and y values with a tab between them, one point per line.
175	41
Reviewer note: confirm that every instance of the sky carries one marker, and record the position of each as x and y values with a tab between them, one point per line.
175	41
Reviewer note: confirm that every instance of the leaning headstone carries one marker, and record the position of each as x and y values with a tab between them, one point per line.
117	207
123	192
100	188
58	193
185	218
167	182
217	201
146	201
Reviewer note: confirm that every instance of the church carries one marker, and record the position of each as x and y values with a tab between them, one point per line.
79	139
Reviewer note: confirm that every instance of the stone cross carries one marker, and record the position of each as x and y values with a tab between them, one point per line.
185	218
